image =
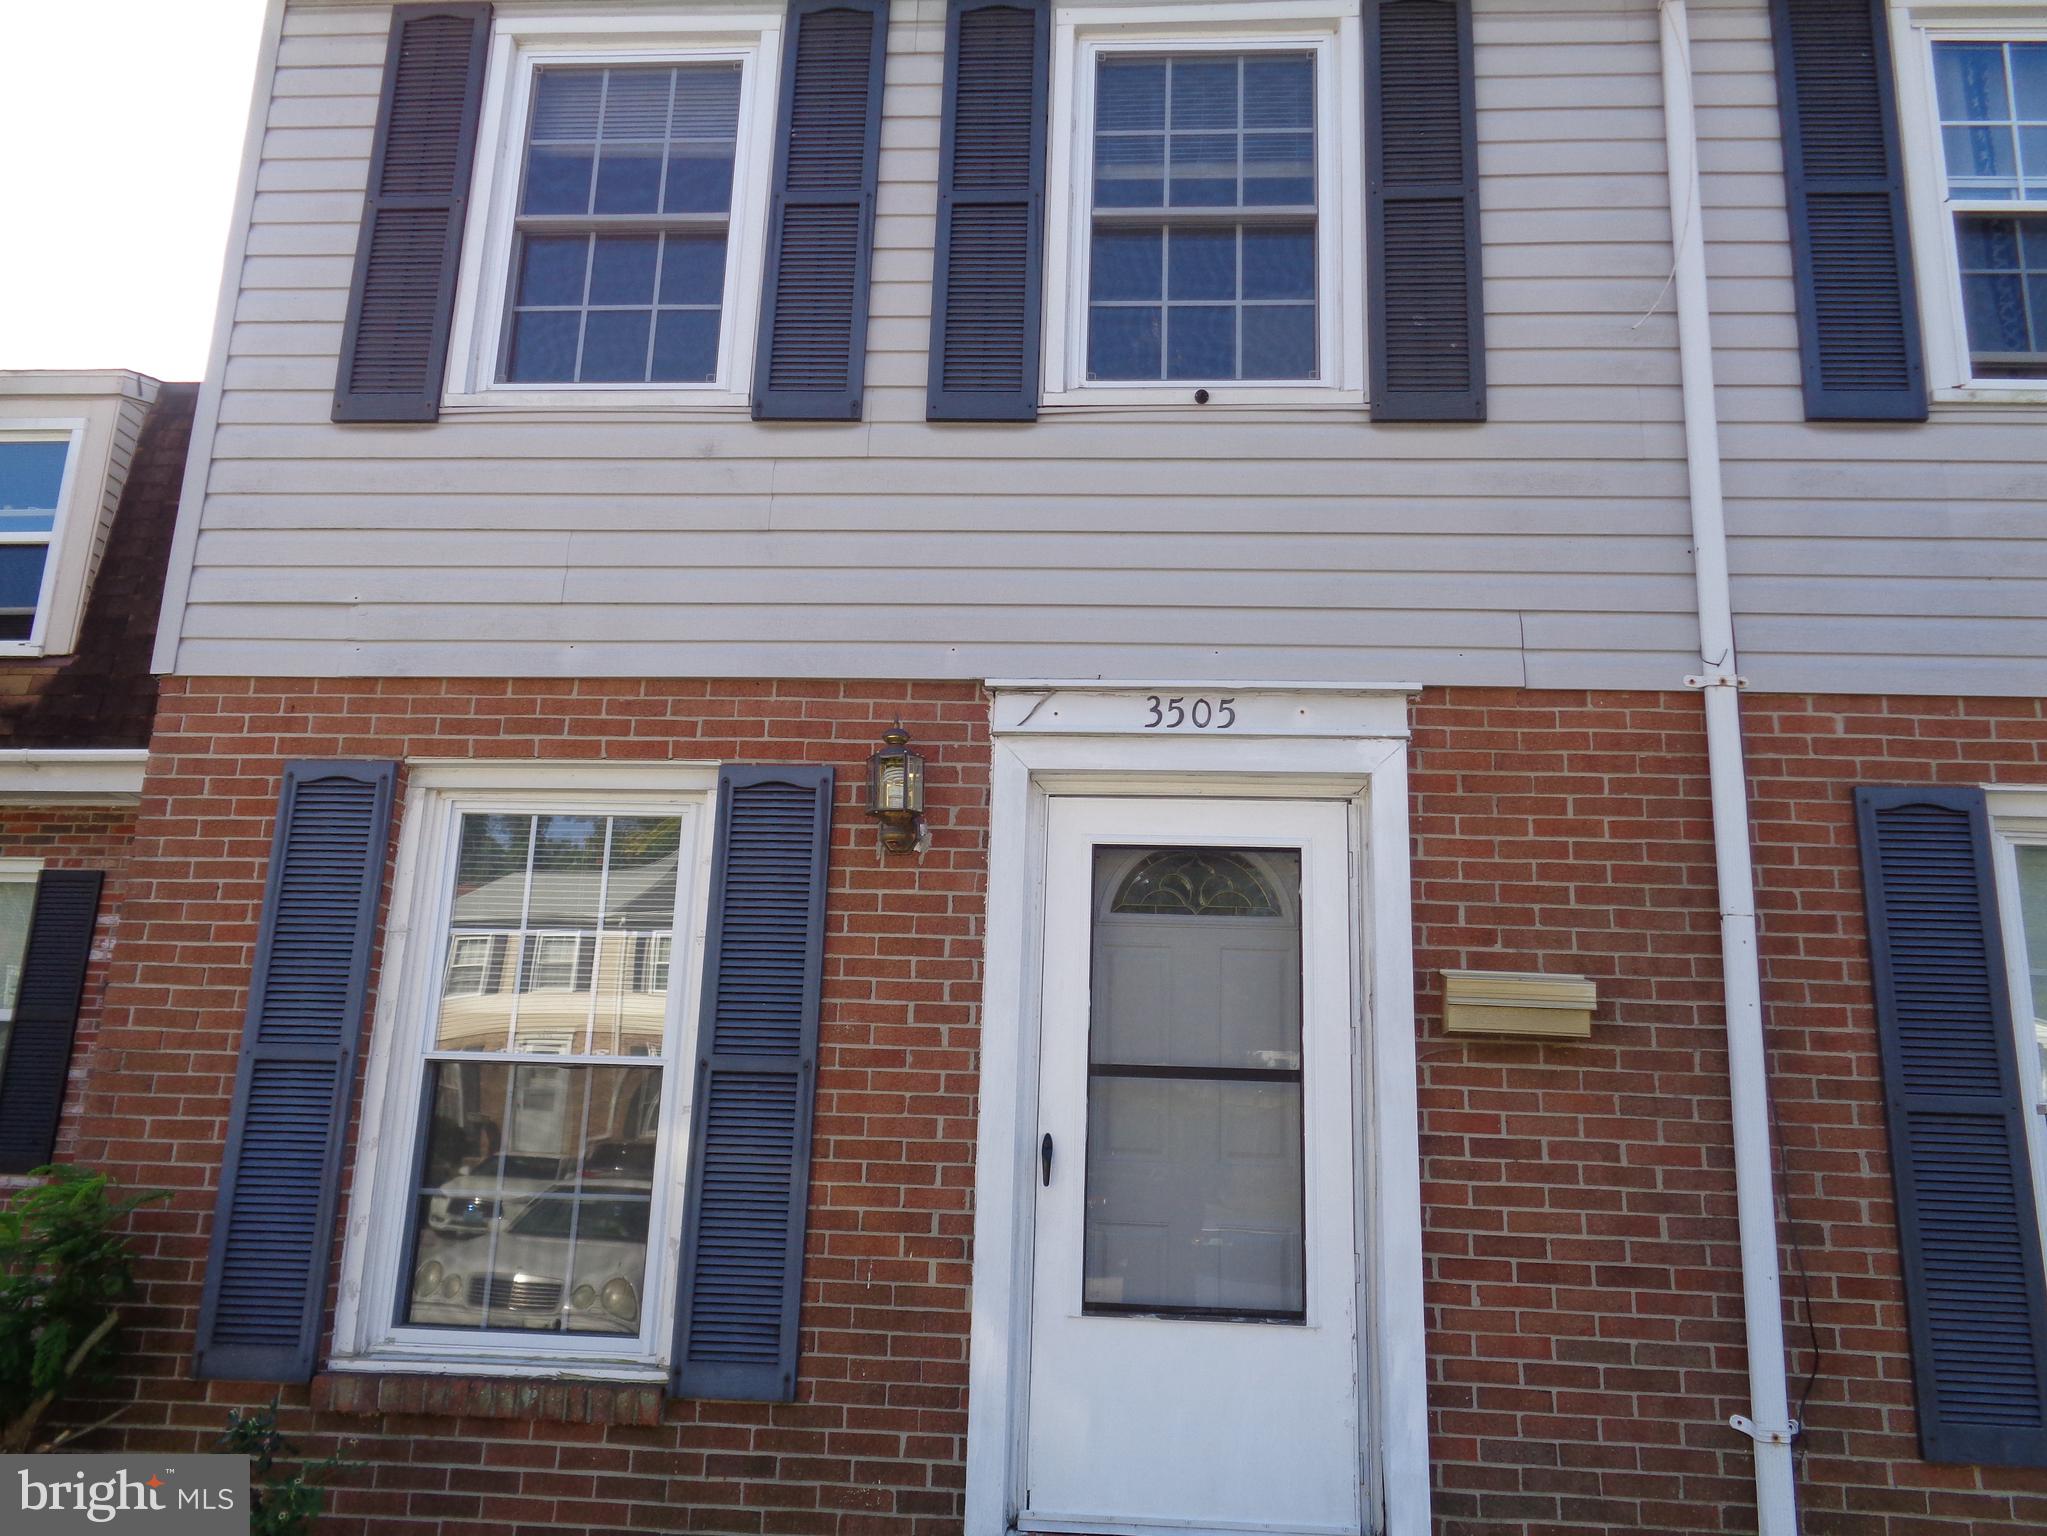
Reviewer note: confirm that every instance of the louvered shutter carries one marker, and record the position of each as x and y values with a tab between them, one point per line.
813	333
756	1072
1974	1287
1858	316
1423	295
38	1052
273	1222
988	269
394	349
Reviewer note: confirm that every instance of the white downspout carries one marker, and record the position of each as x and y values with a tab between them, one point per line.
1768	1423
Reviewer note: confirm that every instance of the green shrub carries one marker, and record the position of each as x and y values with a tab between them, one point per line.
279	1504
65	1268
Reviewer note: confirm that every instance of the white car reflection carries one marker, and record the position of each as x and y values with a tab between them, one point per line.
466	1204
562	1263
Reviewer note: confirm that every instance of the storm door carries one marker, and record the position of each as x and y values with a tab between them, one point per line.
1194	1346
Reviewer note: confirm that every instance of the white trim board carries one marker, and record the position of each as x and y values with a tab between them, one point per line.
1367	769
72	776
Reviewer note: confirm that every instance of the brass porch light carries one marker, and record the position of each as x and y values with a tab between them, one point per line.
895	793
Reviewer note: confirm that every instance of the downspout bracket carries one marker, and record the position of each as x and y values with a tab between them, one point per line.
1761	1436
1717	680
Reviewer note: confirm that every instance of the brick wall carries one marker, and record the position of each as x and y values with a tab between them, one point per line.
78	837
877	1440
1584	1298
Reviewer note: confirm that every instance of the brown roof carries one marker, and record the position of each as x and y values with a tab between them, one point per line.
104	694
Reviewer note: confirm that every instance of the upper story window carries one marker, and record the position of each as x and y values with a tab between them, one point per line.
1205	213
34	471
1202	242
620	187
624	217
1992	101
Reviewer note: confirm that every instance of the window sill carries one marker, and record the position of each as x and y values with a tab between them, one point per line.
1180	397
365	1389
2015	392
16	649
711	404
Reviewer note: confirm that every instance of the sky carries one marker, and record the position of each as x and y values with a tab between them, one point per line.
123	123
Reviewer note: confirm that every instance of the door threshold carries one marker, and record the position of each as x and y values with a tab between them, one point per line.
1034	1523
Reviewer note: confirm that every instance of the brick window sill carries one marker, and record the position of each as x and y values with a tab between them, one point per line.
490	1397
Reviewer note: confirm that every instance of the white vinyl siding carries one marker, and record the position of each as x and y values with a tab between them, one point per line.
1548	546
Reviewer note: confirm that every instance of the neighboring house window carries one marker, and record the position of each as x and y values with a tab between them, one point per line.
533	1215
621	186
1209	204
35	471
17	906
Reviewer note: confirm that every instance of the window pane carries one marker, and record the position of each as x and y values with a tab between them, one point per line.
693	270
686	346
512	1224
1123	343
1279	263
552	270
2029	79
636	103
1279	92
2033	916
699	178
31	477
629	178
622	269
1130	171
1981	162
706	101
565	104
1201	341
558	179
1203	264
1130	94
1279	170
1204	170
1279	341
1969	78
543	349
21	582
17	901
1204	92
1126	264
1194	1195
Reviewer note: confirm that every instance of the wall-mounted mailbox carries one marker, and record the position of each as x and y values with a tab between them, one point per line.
1524	1003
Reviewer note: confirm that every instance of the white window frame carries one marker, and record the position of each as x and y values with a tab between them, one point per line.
1919	26
72	432
367	1336
2018	818
16	872
1327	742
1081	35
520	46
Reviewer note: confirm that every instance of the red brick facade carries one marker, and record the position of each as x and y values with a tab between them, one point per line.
78	837
1583	1290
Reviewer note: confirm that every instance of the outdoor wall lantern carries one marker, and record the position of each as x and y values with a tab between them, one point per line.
895	794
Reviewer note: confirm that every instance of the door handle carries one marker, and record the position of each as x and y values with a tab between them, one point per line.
1045	1157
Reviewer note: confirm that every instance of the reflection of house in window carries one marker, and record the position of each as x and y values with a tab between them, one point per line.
554	962
468	965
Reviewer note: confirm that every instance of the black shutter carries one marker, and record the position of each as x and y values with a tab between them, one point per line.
988	270
273	1223
813	335
1425	303
1858	316
38	1050
1974	1287
756	1076
394	349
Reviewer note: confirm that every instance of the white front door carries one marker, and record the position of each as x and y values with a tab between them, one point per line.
1194	1341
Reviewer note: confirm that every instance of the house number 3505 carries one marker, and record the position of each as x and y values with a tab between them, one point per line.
1203	714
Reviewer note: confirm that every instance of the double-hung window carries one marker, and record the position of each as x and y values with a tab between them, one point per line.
17	907
621	187
2020	818
35	470
1973	105
1205	210
527	1207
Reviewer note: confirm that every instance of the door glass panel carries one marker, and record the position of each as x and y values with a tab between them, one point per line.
1194	1201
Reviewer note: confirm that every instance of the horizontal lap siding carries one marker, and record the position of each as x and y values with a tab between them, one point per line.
1545	546
1897	557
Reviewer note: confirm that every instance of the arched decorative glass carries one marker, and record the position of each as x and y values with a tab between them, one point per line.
1197	882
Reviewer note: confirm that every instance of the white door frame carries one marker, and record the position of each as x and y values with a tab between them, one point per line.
1293	742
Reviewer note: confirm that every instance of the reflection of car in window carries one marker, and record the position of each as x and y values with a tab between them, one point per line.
572	1259
466	1204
